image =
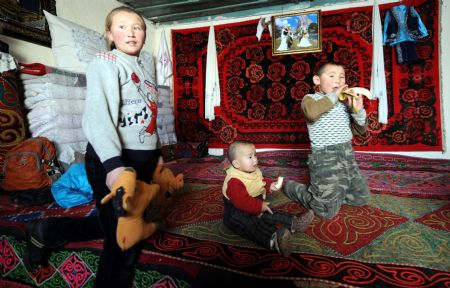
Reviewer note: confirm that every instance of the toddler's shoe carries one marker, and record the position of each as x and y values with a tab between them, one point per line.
284	238
300	223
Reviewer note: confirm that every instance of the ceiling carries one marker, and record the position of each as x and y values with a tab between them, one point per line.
165	11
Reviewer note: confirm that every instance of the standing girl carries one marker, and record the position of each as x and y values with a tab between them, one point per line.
119	122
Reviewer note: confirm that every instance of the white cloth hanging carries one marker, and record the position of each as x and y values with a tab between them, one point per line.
378	77
164	64
263	23
212	85
7	62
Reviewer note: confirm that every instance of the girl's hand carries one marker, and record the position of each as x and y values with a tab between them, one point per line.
113	175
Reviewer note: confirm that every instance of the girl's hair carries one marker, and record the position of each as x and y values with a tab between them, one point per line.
109	18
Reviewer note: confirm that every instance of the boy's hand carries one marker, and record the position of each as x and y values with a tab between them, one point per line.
339	90
355	103
358	103
265	207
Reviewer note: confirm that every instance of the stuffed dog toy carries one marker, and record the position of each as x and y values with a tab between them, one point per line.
169	184
131	197
167	181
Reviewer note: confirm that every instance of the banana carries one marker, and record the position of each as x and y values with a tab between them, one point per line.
279	183
351	92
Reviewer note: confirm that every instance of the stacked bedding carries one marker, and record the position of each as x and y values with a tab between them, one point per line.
166	117
55	100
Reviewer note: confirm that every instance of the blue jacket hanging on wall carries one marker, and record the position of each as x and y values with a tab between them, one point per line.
402	29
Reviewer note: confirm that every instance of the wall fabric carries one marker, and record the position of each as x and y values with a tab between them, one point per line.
261	93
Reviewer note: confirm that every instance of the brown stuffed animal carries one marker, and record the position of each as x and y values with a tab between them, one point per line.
169	183
136	195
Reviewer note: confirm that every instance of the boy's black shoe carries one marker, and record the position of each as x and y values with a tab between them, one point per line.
41	236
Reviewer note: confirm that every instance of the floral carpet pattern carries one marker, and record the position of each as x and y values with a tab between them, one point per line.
400	239
261	94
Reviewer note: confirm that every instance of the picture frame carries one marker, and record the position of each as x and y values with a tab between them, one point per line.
296	33
25	20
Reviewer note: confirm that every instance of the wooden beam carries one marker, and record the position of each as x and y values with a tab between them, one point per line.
203	10
160	11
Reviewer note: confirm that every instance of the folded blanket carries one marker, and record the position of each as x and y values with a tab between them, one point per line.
54	91
54	75
165	119
52	111
166	129
164	102
55	100
59	106
166	132
32	101
60	135
167	139
55	121
165	111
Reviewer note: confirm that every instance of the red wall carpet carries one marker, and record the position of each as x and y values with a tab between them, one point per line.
261	93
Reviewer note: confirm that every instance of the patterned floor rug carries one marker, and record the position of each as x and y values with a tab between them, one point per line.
400	239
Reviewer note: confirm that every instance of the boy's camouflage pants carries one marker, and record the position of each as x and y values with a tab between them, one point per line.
335	179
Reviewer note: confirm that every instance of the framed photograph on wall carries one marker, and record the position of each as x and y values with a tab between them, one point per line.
25	20
296	33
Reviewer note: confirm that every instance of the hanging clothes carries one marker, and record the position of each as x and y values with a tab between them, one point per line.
212	85
378	77
164	64
402	24
406	52
263	24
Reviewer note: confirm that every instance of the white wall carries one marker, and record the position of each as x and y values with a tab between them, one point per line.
26	52
87	13
445	76
92	15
